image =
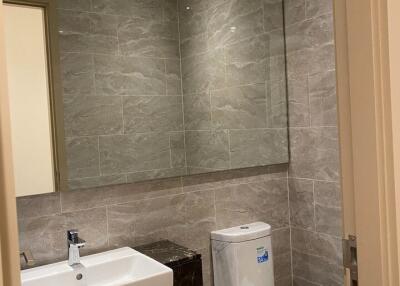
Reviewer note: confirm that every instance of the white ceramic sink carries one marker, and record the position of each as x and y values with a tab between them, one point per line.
119	267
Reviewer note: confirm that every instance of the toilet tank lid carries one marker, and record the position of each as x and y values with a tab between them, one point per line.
242	233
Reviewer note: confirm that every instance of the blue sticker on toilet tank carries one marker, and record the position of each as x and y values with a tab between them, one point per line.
262	255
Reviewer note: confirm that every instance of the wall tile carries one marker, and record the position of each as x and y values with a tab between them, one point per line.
51	230
135	9
129	76
276	68
77	74
328	194
152	113
177	144
73	21
298	64
282	266
310	33
37	206
314	153
76	5
246	18
287	281
192	17
317	244
87	43
295	11
197	111
117	194
273	15
260	201
246	61
173	77
104	24
258	147
301	203
322	58
207	149
170	10
203	72
328	220
277	112
199	218
90	23
239	108
299	109
193	45
281	241
276	43
233	177
146	221
249	50
82	157
316	8
297	37
136	152
323	99
149	38
91	115
316	269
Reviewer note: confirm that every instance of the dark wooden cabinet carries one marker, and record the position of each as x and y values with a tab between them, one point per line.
185	263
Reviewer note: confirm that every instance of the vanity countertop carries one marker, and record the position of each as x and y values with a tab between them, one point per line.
168	253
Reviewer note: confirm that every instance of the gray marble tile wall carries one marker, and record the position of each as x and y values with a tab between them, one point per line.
303	206
314	189
233	81
123	103
163	88
183	210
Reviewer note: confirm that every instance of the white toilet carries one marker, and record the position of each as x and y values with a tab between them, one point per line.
242	255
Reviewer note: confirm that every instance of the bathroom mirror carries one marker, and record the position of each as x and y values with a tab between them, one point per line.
164	88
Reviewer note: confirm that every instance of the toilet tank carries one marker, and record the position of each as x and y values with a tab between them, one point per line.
242	255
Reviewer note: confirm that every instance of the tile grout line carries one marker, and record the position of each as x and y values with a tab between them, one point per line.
181	85
314	214
290	227
107	227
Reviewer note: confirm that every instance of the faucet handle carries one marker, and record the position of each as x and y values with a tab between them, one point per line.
72	235
73	238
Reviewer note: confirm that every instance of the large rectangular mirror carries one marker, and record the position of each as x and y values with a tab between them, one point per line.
154	89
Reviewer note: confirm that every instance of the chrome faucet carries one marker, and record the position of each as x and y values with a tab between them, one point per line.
74	244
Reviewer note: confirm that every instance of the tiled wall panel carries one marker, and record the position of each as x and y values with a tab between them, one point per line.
184	210
314	189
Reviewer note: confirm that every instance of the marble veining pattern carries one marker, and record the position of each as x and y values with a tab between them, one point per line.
183	210
233	81
99	73
200	84
314	188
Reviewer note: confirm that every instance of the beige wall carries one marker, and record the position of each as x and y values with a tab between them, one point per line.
394	63
29	102
8	222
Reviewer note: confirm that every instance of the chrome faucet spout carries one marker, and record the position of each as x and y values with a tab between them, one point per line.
74	244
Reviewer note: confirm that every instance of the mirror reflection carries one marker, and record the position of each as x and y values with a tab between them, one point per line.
156	89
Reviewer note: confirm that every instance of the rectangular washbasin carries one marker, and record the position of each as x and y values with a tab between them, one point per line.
119	267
